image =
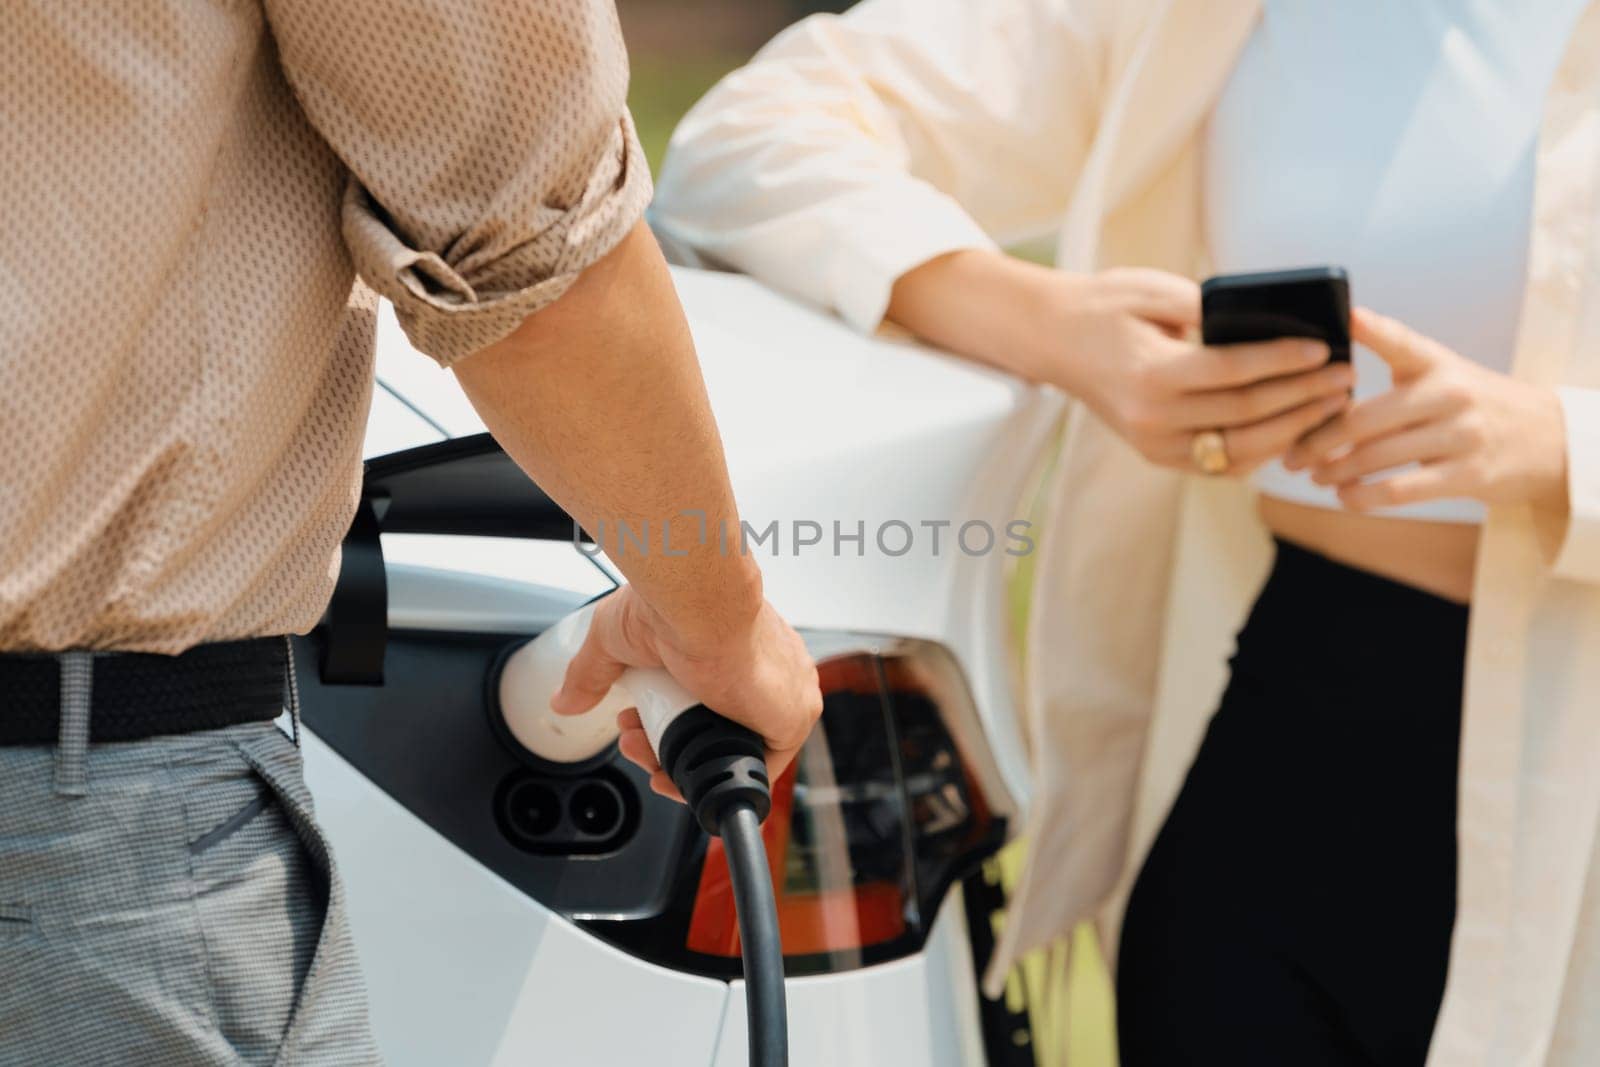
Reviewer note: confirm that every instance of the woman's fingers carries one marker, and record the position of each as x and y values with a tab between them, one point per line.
1168	300
1250	446
1431	481
1420	444
1255	403
1407	352
1196	369
1382	415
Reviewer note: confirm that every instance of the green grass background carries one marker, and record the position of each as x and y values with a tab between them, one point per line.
1070	1005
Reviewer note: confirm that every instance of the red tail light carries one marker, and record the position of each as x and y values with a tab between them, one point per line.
869	827
813	919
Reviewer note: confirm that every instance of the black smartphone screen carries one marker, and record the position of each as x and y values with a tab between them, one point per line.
1311	302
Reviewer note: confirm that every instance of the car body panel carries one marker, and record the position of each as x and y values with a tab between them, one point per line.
916	1011
462	968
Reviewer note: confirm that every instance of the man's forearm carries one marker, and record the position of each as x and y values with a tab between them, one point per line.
599	398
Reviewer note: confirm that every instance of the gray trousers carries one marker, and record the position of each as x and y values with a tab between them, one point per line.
170	902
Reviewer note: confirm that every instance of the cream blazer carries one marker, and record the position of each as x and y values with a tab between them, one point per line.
854	148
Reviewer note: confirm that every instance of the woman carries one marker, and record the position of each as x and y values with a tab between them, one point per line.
1304	895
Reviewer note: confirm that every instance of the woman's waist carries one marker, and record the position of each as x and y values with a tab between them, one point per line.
1435	557
1338	630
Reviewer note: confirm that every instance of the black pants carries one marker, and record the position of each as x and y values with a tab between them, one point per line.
1296	908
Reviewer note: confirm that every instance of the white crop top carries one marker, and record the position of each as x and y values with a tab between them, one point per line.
1395	140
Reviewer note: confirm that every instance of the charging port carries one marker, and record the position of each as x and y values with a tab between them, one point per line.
567	816
532	811
596	808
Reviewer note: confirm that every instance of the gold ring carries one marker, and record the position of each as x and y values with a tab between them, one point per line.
1209	451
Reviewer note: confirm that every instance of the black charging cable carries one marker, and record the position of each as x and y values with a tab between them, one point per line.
720	768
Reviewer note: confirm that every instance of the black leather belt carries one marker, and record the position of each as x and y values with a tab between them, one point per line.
138	695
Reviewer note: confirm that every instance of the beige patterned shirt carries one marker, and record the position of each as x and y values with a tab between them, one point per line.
190	189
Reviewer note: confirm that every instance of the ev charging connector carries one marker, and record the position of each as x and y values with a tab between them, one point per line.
718	766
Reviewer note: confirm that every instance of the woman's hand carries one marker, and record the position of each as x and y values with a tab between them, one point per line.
1475	433
1118	340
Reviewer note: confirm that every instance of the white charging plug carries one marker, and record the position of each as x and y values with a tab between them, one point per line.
533	673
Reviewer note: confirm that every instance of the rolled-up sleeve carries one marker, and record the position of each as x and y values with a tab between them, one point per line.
1577	546
491	154
858	146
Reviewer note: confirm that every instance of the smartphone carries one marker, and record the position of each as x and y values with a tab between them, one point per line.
1309	302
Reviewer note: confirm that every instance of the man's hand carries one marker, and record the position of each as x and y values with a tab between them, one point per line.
599	398
758	674
1121	341
1473	433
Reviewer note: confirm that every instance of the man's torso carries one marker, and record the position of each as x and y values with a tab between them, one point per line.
182	411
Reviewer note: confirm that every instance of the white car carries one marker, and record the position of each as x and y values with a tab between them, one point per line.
508	911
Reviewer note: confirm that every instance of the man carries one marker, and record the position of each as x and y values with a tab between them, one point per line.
191	188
